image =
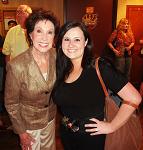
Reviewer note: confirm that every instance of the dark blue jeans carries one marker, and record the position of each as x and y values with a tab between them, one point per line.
123	64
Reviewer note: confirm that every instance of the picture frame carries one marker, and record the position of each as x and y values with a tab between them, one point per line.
7	16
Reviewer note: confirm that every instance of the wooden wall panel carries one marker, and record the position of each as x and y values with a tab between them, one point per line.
75	10
54	5
135	15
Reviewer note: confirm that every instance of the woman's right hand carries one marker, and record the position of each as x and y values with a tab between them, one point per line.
99	127
117	53
26	141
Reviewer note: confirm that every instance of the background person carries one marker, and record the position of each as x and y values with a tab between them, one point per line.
79	94
29	82
16	40
121	43
11	23
2	65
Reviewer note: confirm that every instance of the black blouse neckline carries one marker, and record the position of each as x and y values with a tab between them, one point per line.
77	80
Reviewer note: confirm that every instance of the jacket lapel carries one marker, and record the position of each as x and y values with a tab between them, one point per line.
51	75
36	75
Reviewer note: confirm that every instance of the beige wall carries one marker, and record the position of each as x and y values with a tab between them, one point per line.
55	5
121	11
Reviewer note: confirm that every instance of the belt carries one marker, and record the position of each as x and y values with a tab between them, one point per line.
75	125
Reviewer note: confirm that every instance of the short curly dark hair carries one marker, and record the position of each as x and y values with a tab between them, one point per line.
39	15
12	21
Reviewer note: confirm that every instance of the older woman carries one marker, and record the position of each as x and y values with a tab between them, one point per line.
29	81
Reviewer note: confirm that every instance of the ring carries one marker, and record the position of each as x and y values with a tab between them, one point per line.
96	130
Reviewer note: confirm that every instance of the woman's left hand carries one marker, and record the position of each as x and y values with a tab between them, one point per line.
98	127
128	48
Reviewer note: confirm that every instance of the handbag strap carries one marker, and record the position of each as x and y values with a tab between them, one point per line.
104	87
100	78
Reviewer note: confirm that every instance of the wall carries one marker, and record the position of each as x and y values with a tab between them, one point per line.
55	5
103	8
121	10
74	10
137	59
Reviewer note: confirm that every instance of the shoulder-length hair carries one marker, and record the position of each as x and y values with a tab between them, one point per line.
40	15
63	63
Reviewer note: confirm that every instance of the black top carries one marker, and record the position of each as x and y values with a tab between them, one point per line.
84	98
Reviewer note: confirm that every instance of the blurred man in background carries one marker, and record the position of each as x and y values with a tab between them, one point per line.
16	39
11	23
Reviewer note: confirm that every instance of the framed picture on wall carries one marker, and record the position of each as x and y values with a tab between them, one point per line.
7	16
6	20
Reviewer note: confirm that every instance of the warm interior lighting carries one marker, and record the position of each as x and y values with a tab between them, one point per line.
90	18
4	1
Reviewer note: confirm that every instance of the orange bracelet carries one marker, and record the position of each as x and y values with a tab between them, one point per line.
131	104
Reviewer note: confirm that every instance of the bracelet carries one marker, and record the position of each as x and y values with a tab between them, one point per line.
131	104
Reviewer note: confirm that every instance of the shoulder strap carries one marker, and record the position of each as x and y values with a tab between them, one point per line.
104	87
99	76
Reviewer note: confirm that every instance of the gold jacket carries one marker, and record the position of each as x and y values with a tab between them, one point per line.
27	94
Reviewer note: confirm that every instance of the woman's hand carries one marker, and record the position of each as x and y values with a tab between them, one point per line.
26	141
128	49
98	127
117	53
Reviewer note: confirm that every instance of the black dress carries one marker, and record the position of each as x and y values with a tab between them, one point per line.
84	98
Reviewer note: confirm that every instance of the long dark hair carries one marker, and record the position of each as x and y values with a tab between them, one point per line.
63	64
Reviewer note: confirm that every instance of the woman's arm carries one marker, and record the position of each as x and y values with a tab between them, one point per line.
110	42
130	46
128	93
112	47
12	104
12	101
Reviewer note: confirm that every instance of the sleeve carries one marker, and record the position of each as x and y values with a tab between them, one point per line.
113	79
132	37
6	46
12	101
112	36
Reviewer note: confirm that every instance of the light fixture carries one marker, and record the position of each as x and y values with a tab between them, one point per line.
90	18
4	1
